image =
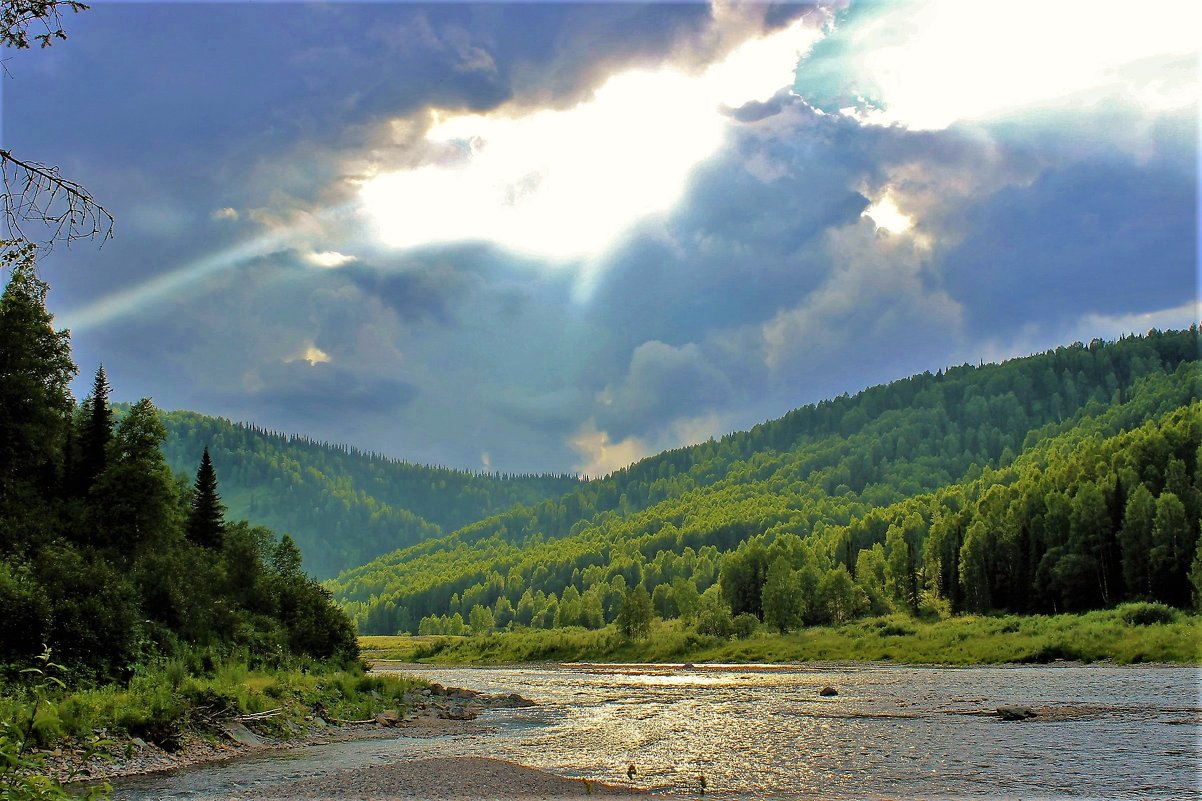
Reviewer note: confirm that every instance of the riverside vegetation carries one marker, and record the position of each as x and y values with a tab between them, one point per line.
1132	633
130	605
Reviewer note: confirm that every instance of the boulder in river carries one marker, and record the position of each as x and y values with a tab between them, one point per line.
1015	712
828	691
458	712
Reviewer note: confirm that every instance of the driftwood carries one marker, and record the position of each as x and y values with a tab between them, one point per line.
351	722
270	713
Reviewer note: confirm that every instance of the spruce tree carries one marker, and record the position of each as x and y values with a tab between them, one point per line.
206	519
95	435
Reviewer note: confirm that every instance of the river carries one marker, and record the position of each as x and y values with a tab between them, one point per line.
896	732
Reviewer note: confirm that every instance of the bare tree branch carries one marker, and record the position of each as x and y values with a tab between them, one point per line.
34	192
16	17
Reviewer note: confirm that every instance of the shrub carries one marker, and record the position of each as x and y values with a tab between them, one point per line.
745	625
1147	614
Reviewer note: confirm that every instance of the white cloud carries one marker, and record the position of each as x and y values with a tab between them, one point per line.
600	455
875	288
885	214
328	259
226	213
566	184
1036	337
929	64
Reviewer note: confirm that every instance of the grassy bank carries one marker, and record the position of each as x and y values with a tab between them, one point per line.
161	703
1129	634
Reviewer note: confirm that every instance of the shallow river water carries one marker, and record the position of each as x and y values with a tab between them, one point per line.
765	732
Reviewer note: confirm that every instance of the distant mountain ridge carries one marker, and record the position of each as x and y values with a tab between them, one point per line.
342	506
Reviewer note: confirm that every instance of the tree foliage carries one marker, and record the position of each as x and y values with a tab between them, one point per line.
95	556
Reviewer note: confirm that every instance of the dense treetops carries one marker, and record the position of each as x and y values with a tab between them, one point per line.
343	507
104	555
835	501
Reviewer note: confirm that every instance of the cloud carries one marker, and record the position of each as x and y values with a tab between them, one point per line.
309	353
225	213
1103	237
1035	336
306	389
329	259
663	382
565	184
878	291
598	454
893	63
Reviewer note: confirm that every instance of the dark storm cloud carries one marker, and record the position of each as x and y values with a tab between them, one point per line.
1103	236
304	391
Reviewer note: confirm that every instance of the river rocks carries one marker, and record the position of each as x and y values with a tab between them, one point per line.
513	701
389	717
240	734
458	712
828	691
1015	712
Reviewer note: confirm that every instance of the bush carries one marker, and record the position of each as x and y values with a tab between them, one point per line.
745	625
1147	614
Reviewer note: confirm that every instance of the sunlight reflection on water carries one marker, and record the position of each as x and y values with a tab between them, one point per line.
892	732
895	732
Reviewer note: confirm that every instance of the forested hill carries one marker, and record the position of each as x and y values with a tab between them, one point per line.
677	515
342	506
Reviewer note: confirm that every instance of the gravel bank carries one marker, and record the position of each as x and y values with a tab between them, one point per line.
446	779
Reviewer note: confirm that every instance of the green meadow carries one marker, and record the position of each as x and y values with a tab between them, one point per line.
1129	634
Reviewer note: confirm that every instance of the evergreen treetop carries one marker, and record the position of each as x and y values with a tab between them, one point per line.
206	519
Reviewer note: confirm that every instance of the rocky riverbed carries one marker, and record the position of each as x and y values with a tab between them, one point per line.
434	711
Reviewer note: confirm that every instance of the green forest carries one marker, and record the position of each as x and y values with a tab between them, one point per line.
109	559
1060	482
343	507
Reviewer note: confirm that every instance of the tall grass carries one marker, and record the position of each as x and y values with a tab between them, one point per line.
164	700
1131	633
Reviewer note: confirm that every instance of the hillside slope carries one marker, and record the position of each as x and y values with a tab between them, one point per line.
343	507
675	515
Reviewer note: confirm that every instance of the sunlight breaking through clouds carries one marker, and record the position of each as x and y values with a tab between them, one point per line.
929	64
885	214
311	354
565	185
160	288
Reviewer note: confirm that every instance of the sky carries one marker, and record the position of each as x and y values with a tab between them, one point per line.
560	237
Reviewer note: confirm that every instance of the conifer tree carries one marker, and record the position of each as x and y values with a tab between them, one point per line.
95	435
206	519
133	503
35	401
